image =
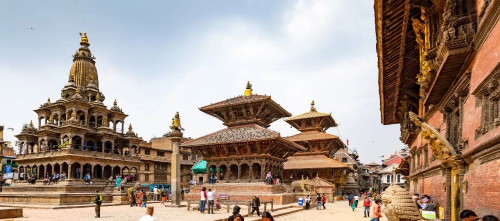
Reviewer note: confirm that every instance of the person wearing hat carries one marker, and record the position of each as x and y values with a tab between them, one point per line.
236	215
97	201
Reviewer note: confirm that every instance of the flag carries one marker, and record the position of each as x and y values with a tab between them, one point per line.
347	142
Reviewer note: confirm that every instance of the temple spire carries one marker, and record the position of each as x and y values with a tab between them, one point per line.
130	127
313	109
31	123
248	90
83	39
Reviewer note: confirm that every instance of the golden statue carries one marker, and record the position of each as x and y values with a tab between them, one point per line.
248	90
83	39
313	109
97	97
31	123
51	119
176	123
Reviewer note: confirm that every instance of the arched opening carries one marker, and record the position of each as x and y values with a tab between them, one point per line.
42	121
133	174
118	150
212	170
77	142
92	122
107	172
48	170
64	168
116	171
125	171
118	126
99	146
133	150
112	125
55	117
74	168
68	114
99	121
87	169
22	148
22	173
57	168
41	168
52	145
108	147
245	171
233	172
91	145
98	171
43	145
256	168
34	170
223	173
28	171
81	117
63	120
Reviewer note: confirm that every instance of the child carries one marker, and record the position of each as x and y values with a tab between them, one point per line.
217	205
144	199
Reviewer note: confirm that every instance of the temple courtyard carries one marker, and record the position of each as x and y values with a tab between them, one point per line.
337	210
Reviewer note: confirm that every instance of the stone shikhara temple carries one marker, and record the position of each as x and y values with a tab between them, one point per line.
242	154
439	80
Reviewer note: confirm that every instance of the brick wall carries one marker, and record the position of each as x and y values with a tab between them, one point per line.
484	189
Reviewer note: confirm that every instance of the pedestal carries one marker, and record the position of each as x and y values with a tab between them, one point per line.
175	172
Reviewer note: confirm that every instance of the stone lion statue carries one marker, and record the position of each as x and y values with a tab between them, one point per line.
304	185
398	205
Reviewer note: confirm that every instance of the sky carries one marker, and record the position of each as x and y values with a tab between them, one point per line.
159	57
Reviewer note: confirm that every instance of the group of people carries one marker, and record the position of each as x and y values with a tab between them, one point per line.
276	179
193	183
54	178
136	197
164	193
212	179
236	216
320	201
353	200
469	215
208	196
32	178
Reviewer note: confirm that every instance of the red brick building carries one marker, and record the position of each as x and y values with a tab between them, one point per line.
439	68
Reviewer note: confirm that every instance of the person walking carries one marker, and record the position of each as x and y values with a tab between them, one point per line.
163	196
144	198
318	201
308	202
377	213
203	199
210	198
255	205
291	179
215	178
366	204
97	201
349	198
355	202
269	178
323	200
149	214
155	193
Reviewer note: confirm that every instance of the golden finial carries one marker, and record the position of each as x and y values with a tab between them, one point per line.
248	90
31	123
115	103
77	90
97	96
83	39
130	127
51	118
73	115
313	109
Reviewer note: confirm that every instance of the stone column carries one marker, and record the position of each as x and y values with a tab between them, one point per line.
175	137
218	171
448	193
102	174
70	176
123	126
81	172
239	171
103	145
53	169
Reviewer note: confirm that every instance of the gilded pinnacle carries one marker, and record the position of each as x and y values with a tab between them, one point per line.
115	103
130	127
31	123
313	109
83	39
248	90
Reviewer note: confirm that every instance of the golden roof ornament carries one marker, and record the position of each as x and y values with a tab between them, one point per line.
115	103
77	90
51	118
248	90
31	123
83	39
313	109
130	127
97	96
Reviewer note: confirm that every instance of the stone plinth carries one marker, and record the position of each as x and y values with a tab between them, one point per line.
10	212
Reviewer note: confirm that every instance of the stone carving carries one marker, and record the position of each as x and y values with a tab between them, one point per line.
398	205
304	185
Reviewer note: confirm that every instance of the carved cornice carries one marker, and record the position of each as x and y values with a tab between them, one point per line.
440	147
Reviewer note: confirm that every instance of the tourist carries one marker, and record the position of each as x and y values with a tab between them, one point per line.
278	180
78	173
46	179
169	194
355	202
211	180
87	179
236	214
308	202
163	196
318	201
139	197
366	204
196	183
144	198
63	176
133	201
428	204
56	177
291	179
158	193
155	193
149	214
323	200
255	205
203	199
217	205
210	198
416	197
190	182
215	178
269	178
468	215
490	218
97	201
377	213
266	216
349	198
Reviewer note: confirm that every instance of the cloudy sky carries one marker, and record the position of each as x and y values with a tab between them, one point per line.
159	57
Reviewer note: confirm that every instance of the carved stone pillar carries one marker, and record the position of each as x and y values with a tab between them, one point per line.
448	193
81	172
70	170
102	174
239	171
175	137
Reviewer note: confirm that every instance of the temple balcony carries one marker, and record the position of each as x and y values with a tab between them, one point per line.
75	152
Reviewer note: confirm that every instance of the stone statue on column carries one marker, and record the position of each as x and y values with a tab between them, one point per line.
176	137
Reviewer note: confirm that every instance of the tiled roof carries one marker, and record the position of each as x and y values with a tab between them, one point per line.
308	115
237	100
235	134
373	164
312	162
311	136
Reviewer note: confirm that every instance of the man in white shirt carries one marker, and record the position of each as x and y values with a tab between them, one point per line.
356	200
155	193
149	216
210	198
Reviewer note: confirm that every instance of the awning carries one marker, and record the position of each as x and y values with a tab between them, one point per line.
200	167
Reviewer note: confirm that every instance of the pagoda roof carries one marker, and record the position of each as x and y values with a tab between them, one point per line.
312	162
236	101
389	168
238	134
311	136
373	164
322	123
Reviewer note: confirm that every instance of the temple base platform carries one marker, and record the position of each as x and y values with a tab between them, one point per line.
280	194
